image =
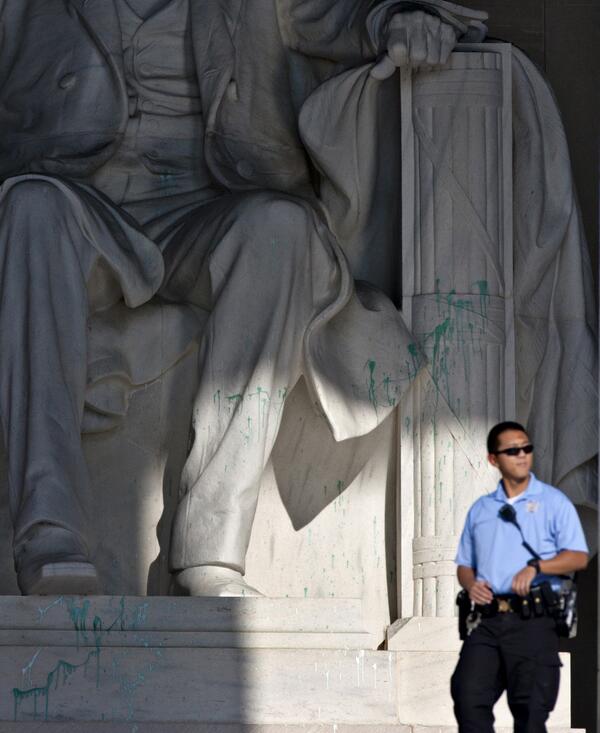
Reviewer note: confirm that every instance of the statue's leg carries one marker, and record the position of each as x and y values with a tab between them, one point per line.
45	263
270	271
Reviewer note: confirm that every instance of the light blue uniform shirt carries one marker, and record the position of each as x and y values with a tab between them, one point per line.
493	547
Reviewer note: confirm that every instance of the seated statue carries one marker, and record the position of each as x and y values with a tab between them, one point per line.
166	149
150	148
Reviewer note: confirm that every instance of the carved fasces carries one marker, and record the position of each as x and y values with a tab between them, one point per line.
457	299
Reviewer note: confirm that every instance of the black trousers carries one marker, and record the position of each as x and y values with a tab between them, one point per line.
508	653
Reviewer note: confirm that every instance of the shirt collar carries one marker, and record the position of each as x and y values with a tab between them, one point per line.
534	487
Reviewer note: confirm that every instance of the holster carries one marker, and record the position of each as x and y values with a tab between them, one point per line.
464	609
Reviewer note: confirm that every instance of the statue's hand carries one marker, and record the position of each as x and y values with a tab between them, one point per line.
415	39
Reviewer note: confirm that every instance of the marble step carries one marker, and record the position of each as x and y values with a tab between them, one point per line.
215	666
268	623
132	727
191	660
197	685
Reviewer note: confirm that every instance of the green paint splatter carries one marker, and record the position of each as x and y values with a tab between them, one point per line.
79	619
247	434
457	339
484	297
372	388
388	396
58	675
440	354
413	367
64	669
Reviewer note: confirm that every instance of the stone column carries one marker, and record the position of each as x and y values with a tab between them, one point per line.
457	298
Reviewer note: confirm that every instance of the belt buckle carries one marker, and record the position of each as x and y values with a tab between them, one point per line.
504	605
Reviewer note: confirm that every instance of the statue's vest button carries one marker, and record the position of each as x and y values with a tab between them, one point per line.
245	169
67	81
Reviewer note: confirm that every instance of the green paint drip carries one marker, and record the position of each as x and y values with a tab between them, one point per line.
372	387
63	669
79	619
388	396
484	297
416	361
439	335
60	673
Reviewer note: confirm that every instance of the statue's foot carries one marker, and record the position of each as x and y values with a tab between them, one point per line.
213	580
52	560
59	578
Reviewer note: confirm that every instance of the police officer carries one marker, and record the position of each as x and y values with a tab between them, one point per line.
512	648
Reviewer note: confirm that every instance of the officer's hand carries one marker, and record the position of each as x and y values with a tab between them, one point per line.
415	39
481	593
522	580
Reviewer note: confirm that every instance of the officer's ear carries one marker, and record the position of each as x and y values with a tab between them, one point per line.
493	459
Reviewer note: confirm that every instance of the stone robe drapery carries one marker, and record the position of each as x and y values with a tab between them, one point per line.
554	299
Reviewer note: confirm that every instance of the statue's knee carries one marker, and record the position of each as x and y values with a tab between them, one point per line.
32	199
280	220
34	215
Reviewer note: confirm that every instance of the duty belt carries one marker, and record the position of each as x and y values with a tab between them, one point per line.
533	604
541	601
515	604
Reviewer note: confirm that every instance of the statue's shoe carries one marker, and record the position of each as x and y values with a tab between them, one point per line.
52	560
215	581
72	578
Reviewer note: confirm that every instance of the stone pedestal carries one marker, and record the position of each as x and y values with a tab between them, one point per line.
115	664
259	661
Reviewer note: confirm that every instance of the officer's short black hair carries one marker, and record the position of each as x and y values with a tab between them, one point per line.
497	430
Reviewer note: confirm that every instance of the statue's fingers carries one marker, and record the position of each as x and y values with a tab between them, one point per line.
417	48
448	42
433	24
434	49
397	47
383	69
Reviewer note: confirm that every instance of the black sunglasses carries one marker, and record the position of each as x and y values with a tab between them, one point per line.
515	451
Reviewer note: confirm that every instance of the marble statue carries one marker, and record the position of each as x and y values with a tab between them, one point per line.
144	156
227	157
